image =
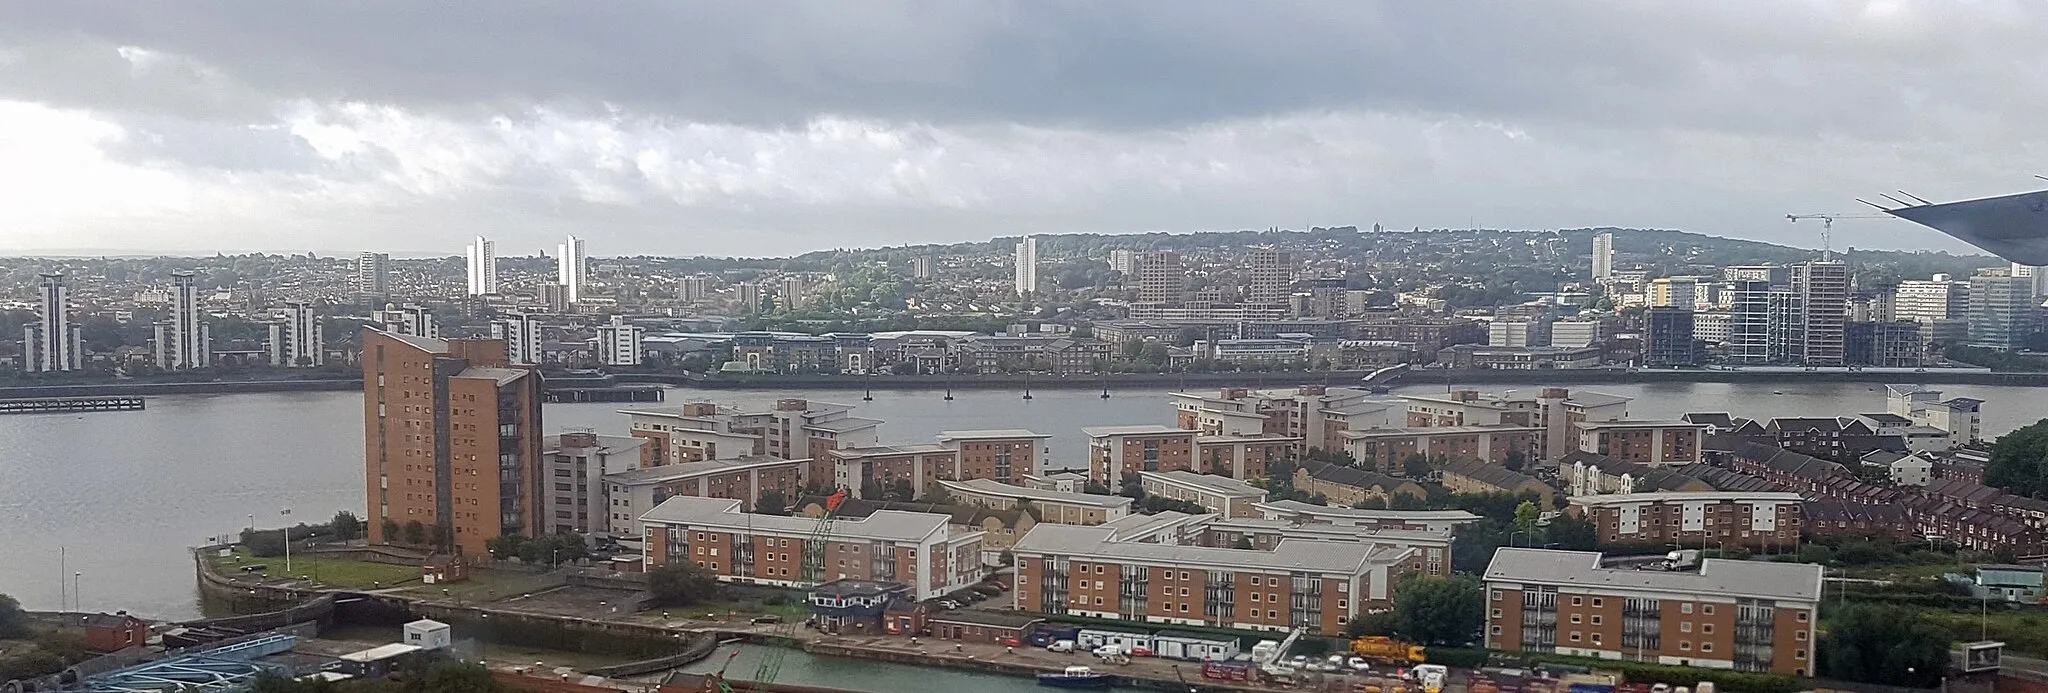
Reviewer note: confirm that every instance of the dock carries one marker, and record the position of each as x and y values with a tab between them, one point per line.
615	393
42	405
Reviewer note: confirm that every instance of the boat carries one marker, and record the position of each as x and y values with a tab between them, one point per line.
1077	677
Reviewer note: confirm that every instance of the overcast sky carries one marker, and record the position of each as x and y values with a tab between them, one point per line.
683	128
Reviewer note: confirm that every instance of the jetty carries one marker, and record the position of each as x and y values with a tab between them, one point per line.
41	405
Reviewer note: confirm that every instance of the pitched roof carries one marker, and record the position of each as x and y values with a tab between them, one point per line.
967	515
1287	554
886	525
1726	479
1717	420
1351	476
1489	474
1788	462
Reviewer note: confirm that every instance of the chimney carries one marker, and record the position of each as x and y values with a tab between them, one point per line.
579	439
792	404
700	409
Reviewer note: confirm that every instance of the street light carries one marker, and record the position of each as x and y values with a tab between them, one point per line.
76	600
287	515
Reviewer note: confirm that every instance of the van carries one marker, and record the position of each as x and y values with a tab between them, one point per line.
1060	646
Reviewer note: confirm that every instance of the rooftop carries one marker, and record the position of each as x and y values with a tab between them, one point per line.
990	487
1211	483
1716	576
503	376
1287	555
843	424
1290	507
990	434
883	525
1639	423
1687	497
887	450
609	445
1143	429
1434	431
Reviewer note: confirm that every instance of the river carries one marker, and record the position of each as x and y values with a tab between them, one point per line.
805	669
112	501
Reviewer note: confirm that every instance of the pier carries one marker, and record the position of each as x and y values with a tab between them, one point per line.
41	405
616	393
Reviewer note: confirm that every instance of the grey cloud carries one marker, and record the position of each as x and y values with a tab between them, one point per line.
1761	65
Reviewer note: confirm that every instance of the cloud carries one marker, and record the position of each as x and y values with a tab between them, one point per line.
721	128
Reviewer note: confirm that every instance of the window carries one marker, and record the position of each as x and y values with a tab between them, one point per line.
1685	608
1343	603
1685	646
1081	584
1596	638
1800	636
1255	596
1706	646
1496	613
1707	628
1495	630
1496	593
1255	583
1800	617
1596	620
1575	619
1183	591
1578	601
1098	601
1598	602
1707	609
1799	654
1685	627
1183	575
1575	636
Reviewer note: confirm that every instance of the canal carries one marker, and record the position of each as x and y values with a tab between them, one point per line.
803	668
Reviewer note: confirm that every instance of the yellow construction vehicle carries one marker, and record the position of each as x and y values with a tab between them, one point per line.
1385	650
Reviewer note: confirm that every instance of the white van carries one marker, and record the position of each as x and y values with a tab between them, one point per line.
1061	646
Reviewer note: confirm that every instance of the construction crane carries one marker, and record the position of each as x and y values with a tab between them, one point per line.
1827	227
807	577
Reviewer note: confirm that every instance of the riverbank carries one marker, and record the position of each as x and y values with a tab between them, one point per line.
1112	381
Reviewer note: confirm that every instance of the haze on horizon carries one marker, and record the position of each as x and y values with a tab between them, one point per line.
694	128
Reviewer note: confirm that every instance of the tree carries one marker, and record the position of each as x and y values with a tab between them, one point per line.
390	530
415	533
1875	643
13	623
1572	533
1415	466
772	503
2019	461
1526	517
681	584
1243	544
1132	489
1097	488
1448	611
505	547
346	526
1382	623
937	495
450	676
1515	459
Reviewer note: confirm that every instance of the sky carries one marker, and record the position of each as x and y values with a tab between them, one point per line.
677	127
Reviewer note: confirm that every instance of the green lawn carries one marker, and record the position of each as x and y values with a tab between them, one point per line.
334	572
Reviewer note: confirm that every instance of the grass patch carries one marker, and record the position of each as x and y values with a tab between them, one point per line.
325	570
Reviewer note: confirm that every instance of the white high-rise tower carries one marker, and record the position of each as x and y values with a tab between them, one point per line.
1027	266
569	268
297	340
483	267
52	344
1603	257
184	342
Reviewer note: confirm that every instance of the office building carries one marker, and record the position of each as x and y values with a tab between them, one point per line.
921	267
373	275
1756	616
1668	339
452	443
521	333
1576	333
1774	275
2003	311
1823	288
1172	569
1785	336
1749	323
618	343
1603	257
1271	272
52	343
1890	344
184	341
570	268
1526	332
483	267
1674	292
297	340
1026	261
2037	277
921	550
1940	305
1161	279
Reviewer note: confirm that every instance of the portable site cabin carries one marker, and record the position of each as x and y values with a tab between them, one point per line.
1091	638
428	635
1194	647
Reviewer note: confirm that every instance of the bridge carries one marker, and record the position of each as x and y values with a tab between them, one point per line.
1381	380
69	404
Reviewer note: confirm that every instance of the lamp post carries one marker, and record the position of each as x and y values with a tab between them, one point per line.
77	600
287	515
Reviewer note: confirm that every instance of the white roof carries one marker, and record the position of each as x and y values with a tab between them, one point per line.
989	487
684	470
381	652
1210	483
724	514
1287	555
1143	429
1716	576
992	433
1291	507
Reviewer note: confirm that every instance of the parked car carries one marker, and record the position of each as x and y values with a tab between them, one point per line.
771	618
1061	646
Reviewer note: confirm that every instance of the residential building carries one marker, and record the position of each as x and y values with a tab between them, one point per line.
1476	477
1104	572
1767	520
1749	323
1578	333
483	267
52	343
632	491
1940	305
184	341
1301	513
1313	416
1124	261
1644	442
1525	332
921	550
411	320
1755	616
1674	292
1116	453
570	269
1555	411
1823	288
1349	486
874	471
1959	416
2003	311
1429	334
1588	474
579	499
1913	469
1883	344
521	333
1241	457
1001	528
297	340
1272	271
618	343
1434	546
373	275
1520	358
1389	448
1668	339
1063	480
1048	506
1001	455
1217	494
921	268
1161	279
452	442
1026	261
1603	257
793	428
